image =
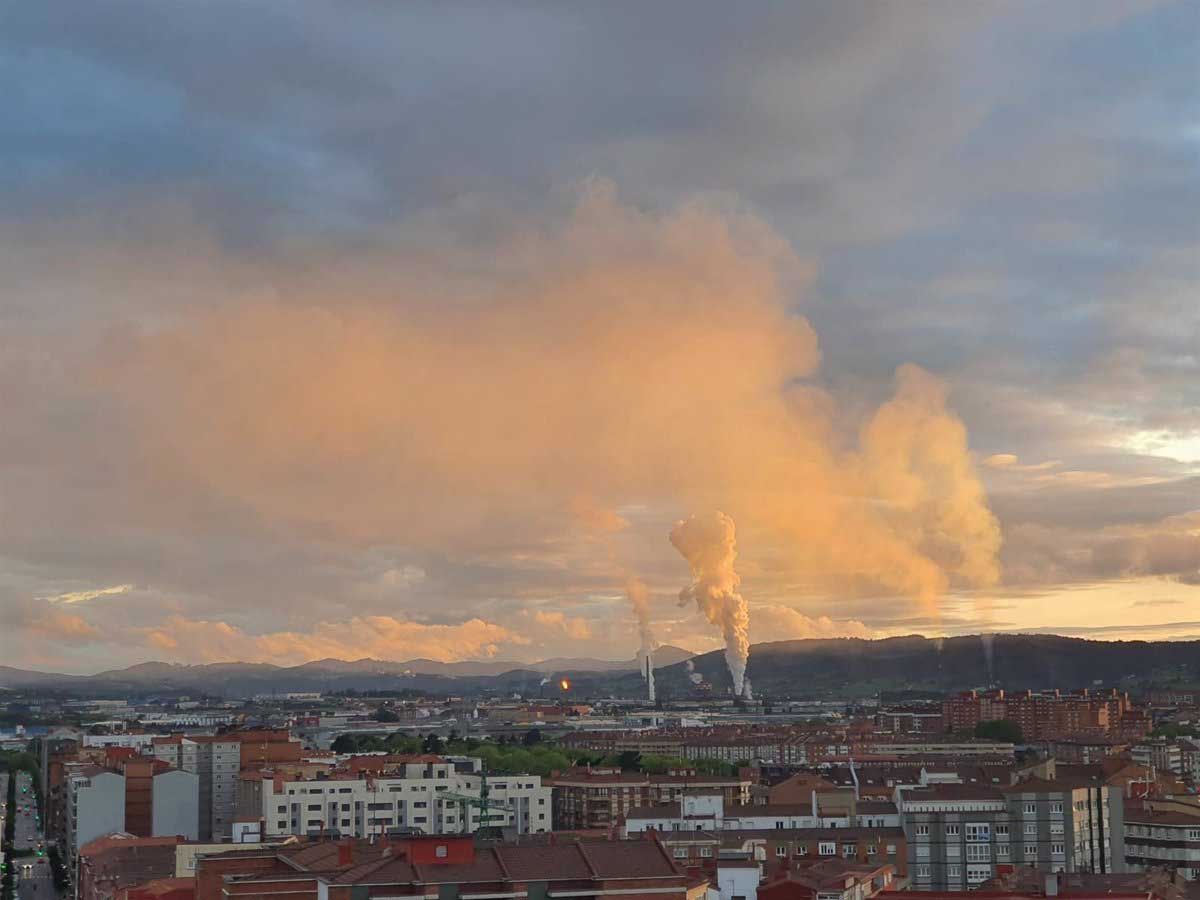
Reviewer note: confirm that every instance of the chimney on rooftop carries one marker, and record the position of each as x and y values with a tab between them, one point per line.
345	853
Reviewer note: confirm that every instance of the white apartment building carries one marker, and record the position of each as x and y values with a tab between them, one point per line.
420	795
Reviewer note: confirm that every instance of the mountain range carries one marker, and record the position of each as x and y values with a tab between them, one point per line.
843	667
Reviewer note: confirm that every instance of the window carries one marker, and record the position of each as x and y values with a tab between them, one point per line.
802	849
345	807
922	831
922	871
951	830
1030	851
979	852
978	874
680	853
1056	808
780	850
891	849
779	824
1031	809
872	849
979	831
314	807
1056	827
345	823
282	826
281	809
1002	831
827	848
922	851
1002	851
849	850
1031	828
954	871
706	852
1193	834
1058	850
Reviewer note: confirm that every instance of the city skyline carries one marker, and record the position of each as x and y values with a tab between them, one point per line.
417	332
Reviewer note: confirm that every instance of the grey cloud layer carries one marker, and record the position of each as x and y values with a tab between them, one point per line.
1004	193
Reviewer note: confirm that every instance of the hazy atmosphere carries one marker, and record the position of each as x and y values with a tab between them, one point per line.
527	330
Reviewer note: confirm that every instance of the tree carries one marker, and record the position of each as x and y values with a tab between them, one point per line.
344	743
433	744
629	759
386	714
1000	730
533	736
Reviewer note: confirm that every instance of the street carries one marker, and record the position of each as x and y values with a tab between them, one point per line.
30	860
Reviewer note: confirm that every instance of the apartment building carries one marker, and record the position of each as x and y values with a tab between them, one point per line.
1162	838
707	812
784	846
427	794
136	801
596	797
216	761
962	835
1045	715
1161	754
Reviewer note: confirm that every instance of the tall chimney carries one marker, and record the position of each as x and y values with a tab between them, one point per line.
649	676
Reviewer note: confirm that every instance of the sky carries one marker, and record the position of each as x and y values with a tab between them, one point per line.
412	330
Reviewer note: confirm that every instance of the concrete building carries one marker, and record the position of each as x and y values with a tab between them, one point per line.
784	846
1161	754
137	801
960	836
708	812
425	794
596	797
216	761
95	806
1158	838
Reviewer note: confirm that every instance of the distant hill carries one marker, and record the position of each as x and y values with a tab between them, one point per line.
854	666
849	667
331	674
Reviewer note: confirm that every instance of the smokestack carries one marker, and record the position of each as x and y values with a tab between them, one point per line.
650	675
708	542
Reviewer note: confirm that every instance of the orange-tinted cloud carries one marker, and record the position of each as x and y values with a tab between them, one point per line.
377	637
627	357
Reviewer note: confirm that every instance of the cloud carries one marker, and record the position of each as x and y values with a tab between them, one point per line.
84	596
1049	554
775	622
30	618
378	637
619	355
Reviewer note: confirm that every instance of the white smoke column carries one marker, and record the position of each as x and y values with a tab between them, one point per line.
709	544
639	597
693	676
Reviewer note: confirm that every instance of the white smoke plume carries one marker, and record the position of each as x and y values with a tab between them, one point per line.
639	598
708	543
693	676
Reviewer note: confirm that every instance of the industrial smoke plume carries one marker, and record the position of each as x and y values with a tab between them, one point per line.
639	597
405	403
708	543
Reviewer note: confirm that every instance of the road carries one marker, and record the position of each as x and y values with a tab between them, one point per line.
30	860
